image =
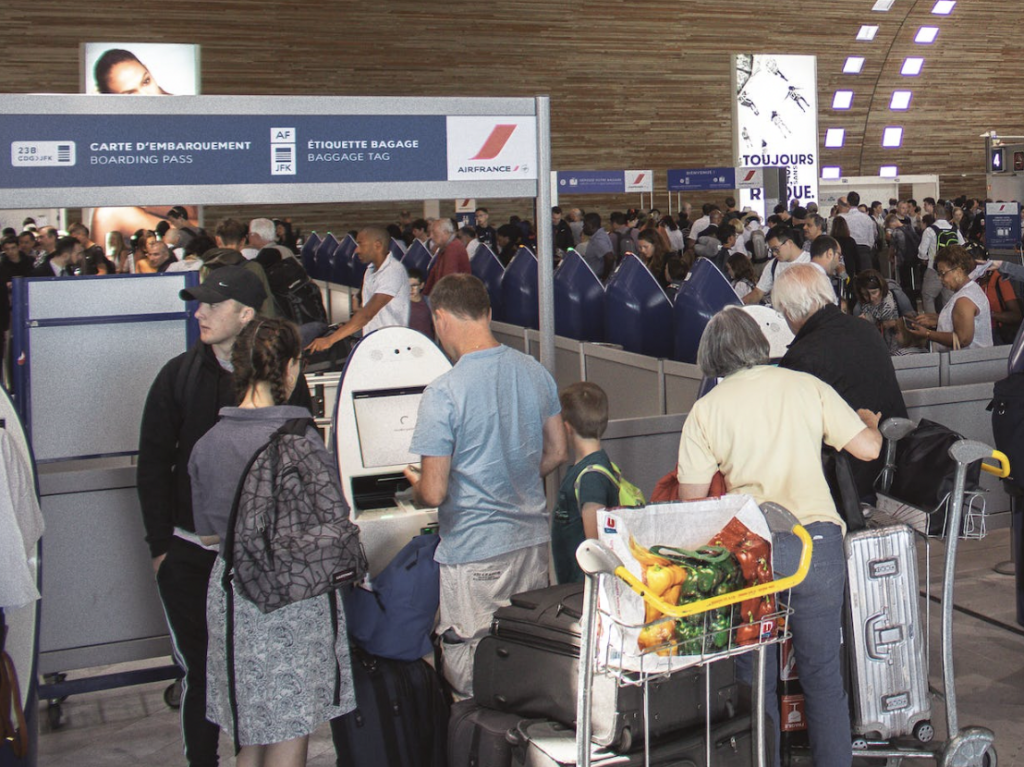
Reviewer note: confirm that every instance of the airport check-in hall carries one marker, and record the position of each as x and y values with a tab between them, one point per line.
659	404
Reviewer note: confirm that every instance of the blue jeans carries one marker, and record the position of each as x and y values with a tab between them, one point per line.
816	624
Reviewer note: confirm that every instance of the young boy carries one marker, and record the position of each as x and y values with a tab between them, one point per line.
419	312
585	415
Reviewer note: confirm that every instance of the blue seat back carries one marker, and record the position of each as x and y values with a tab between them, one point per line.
341	266
488	269
638	314
579	300
705	292
324	259
519	290
308	253
418	257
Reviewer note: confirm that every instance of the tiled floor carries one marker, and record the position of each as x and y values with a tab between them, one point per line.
133	727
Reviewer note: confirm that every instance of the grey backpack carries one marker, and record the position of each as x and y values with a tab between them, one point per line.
289	535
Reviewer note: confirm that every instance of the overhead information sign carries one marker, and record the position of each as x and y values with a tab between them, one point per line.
604	181
1002	225
176	144
701	179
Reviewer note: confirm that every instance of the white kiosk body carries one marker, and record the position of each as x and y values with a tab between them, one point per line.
374	418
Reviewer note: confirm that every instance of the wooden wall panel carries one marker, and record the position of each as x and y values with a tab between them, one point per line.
642	85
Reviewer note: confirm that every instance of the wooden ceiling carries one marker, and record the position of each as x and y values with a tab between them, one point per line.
632	85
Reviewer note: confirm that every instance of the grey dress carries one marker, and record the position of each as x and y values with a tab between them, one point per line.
286	662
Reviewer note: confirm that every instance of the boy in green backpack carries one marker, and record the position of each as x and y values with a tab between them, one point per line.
591	483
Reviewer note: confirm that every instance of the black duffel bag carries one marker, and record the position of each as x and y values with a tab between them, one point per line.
925	471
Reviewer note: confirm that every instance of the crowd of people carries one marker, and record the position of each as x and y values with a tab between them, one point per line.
495	425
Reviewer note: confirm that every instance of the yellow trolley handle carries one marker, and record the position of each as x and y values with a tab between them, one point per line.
734	597
1003	470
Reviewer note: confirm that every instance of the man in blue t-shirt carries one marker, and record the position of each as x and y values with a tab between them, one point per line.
489	430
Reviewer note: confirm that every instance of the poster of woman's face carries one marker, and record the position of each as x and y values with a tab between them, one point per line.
144	69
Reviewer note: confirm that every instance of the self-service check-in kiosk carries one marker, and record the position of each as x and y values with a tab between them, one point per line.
378	398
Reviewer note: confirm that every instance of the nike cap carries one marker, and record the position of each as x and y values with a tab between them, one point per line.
235	282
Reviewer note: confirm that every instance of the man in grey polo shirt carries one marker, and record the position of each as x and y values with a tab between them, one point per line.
489	430
600	252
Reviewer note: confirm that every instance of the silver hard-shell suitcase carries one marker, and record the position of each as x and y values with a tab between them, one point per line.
887	642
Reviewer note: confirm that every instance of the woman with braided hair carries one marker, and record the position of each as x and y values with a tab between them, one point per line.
286	661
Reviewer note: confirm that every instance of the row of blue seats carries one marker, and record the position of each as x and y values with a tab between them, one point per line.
632	311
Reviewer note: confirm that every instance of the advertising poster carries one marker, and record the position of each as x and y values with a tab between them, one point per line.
142	69
137	69
776	119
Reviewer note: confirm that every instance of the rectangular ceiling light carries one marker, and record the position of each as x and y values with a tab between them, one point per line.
867	33
853	65
842	100
830	172
900	100
912	66
882	5
888	171
926	35
834	138
892	137
944	7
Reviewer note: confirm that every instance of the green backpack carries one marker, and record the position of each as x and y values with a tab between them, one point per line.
630	496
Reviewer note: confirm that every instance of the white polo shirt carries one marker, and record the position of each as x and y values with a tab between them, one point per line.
390	280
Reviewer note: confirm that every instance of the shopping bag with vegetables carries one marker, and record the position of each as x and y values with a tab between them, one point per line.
683	552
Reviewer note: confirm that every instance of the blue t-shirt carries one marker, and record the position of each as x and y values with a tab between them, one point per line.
488	414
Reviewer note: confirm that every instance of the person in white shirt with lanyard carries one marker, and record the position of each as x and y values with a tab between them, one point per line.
385	291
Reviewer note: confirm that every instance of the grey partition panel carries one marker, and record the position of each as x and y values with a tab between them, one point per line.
568	357
917	371
100	603
87	393
645	449
682	383
92	347
510	335
633	382
969	366
963	409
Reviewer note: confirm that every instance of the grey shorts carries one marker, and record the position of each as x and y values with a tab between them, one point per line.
470	593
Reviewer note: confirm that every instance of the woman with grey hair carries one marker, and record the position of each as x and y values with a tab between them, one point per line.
773	453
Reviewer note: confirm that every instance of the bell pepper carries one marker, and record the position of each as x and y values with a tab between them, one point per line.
656	634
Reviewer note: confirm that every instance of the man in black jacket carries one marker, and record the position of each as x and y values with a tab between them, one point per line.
182	406
843	351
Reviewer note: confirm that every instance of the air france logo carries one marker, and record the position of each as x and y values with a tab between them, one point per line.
639	179
492	147
495	142
750	175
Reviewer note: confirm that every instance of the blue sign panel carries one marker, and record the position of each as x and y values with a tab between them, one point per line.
72	151
701	179
591	182
1002	225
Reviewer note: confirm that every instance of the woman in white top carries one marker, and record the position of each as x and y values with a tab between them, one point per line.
966	320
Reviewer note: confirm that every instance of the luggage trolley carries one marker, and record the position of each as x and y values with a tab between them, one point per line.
969	746
596	560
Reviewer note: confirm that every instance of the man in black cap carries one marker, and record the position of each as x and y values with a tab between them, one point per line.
182	405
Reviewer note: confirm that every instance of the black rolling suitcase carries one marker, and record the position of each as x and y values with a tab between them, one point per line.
401	719
549	744
529	665
480	737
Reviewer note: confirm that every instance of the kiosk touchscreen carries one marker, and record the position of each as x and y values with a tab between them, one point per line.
374	418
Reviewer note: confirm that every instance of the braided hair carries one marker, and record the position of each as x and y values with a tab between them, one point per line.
262	352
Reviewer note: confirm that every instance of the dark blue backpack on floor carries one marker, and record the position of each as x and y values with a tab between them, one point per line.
396	618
